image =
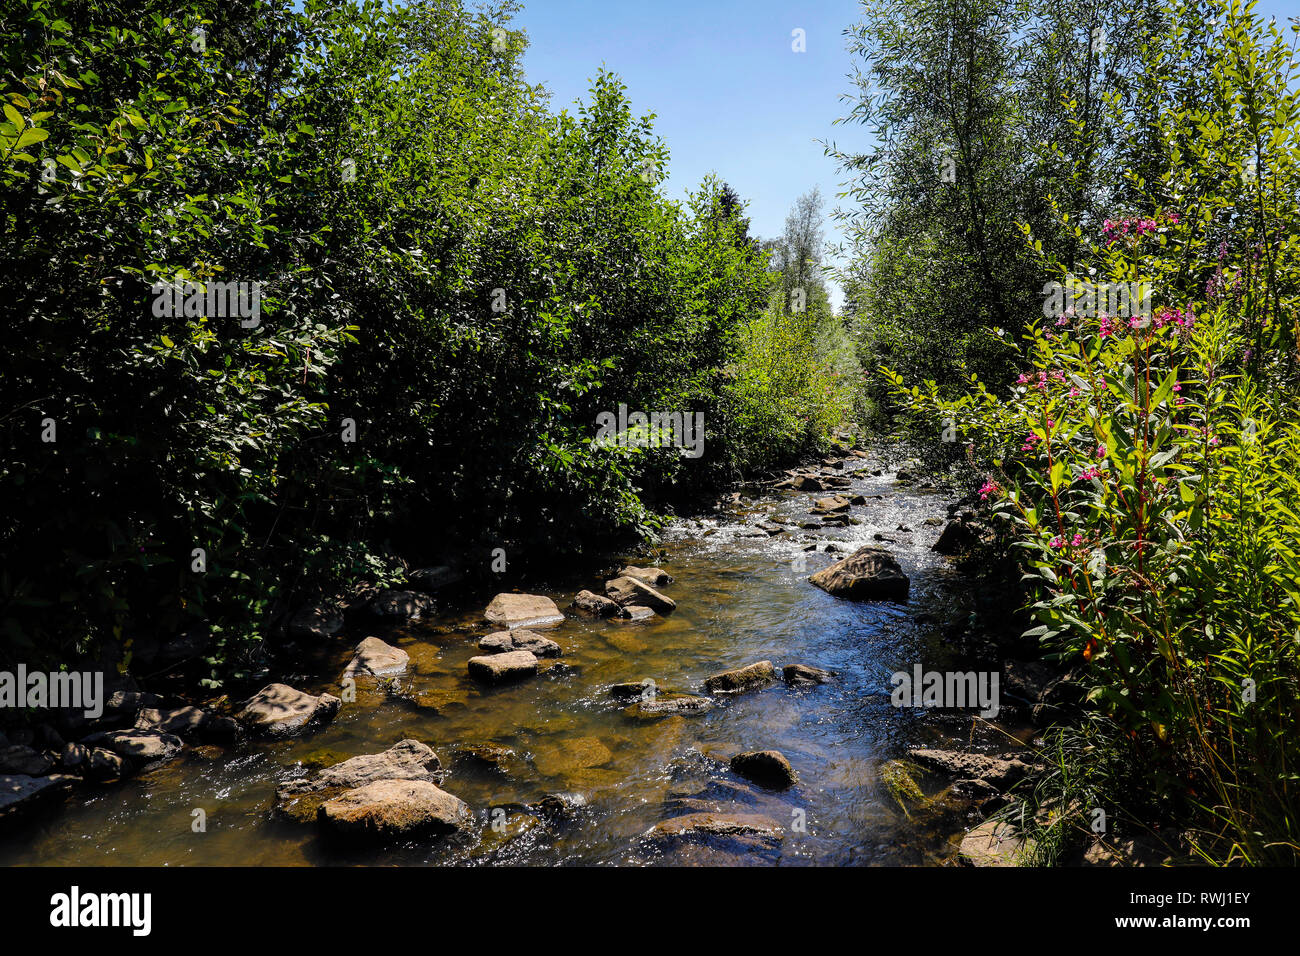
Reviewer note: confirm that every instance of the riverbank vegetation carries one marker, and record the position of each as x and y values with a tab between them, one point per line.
1140	448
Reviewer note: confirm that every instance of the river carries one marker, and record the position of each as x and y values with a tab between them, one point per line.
742	597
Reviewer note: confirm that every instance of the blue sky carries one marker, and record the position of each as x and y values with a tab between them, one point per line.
730	95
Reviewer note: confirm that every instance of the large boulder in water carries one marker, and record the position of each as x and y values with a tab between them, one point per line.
868	574
277	710
522	610
405	760
797	674
394	809
189	723
832	505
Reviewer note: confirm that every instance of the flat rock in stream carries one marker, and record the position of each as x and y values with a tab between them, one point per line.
669	705
394	809
377	659
694	826
503	642
631	592
502	668
522	610
751	676
635	614
278	710
868	574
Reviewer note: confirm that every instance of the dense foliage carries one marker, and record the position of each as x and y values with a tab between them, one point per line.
1147	458
984	115
452	282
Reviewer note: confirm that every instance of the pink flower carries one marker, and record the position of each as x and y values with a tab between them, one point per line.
1101	452
990	487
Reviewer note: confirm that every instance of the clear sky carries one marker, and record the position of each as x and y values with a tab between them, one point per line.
730	94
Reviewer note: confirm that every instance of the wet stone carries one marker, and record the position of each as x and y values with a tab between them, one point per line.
521	639
745	678
503	668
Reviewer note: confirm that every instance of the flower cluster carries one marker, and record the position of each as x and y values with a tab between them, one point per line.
1133	227
1176	317
1040	380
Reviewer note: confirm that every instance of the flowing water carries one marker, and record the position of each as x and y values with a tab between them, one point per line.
742	597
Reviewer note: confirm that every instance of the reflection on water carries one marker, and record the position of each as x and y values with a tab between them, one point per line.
741	599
